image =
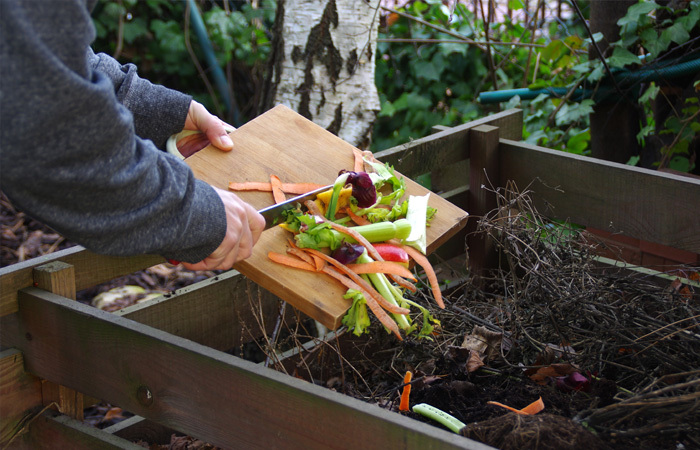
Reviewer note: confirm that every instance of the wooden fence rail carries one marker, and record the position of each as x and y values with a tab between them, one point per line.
164	359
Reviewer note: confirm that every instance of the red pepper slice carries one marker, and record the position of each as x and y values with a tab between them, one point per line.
391	252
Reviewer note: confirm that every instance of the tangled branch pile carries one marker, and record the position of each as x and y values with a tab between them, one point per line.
562	311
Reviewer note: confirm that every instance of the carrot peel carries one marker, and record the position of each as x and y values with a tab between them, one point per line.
532	408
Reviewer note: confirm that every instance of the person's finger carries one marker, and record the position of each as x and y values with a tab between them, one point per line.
215	129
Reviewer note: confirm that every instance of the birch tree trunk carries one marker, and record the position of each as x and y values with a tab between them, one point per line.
322	64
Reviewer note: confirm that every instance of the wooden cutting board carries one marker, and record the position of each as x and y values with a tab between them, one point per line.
284	143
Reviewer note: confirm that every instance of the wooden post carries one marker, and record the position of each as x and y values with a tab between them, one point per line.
59	278
483	180
614	123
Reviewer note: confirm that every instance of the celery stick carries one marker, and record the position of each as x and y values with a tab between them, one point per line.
440	416
383	286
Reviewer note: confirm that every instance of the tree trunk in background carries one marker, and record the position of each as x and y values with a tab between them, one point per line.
322	65
614	124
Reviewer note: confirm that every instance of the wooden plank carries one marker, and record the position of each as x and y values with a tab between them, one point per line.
58	278
137	428
640	203
20	393
483	180
218	312
202	392
284	143
90	269
49	432
449	146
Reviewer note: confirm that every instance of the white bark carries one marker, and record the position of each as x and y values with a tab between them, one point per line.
327	71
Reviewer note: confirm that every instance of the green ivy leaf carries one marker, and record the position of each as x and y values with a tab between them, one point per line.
622	57
676	33
572	112
578	143
427	70
650	93
689	21
515	4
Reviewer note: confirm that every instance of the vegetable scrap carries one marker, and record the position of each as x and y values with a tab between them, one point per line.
262	186
363	233
405	394
277	191
532	408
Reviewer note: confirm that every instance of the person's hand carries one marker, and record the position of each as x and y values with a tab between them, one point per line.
213	128
243	228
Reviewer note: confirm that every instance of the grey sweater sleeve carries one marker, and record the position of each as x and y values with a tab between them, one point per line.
70	154
158	112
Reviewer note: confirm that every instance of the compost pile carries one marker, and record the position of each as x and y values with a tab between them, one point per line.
614	354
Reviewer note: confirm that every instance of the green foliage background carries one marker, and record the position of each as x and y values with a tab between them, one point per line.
427	73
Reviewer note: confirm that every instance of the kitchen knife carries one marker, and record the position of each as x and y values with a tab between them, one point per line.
274	213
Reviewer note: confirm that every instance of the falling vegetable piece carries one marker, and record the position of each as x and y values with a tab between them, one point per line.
371	302
405	394
362	283
532	408
386	267
422	261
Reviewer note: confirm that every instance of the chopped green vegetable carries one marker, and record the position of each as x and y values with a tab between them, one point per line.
417	216
320	235
337	187
357	318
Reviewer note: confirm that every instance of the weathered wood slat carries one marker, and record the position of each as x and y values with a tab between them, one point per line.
645	204
217	312
20	392
91	269
205	393
447	147
61	432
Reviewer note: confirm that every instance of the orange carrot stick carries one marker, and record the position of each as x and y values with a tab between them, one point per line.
359	220
381	267
371	301
250	186
403	405
301	255
290	261
532	408
360	281
288	188
276	185
420	258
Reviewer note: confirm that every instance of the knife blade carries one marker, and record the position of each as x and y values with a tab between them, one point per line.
273	213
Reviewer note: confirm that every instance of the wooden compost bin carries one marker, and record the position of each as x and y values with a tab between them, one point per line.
164	360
